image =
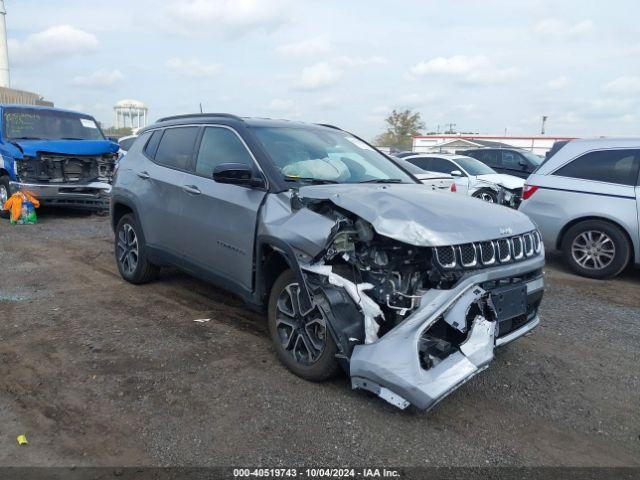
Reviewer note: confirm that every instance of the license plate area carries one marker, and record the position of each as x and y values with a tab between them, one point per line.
510	301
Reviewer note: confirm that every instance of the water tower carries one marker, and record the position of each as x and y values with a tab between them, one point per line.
4	50
130	114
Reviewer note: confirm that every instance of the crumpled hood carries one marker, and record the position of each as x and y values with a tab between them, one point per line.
418	216
67	147
507	181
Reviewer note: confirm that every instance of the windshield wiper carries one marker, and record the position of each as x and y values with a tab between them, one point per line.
314	181
26	138
383	180
71	138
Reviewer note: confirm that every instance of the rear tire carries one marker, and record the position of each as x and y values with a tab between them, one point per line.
131	252
296	337
596	249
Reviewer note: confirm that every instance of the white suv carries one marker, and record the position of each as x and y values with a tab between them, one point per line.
586	201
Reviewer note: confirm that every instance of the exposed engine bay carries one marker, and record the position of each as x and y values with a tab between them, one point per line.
413	322
54	168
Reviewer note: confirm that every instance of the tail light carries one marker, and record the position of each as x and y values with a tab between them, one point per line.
453	187
528	191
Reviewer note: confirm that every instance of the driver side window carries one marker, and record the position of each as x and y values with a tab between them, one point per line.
441	165
220	145
510	160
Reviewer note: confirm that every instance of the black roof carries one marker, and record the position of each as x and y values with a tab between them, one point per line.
230	119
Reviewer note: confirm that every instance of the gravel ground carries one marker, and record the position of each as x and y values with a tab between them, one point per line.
99	372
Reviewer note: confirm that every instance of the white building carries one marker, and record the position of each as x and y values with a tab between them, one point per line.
130	114
452	143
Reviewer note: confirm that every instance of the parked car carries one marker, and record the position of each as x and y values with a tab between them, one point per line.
586	201
403	154
473	178
357	265
435	181
126	142
510	161
60	157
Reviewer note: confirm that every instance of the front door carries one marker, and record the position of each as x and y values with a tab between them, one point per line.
220	219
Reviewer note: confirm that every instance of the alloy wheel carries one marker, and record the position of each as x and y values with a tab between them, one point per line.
127	249
593	250
487	197
302	334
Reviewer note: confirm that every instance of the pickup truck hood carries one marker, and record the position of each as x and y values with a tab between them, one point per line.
507	181
418	216
66	147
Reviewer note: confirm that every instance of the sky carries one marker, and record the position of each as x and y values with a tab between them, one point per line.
487	66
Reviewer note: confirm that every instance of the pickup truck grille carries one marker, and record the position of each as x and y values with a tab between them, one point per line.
489	253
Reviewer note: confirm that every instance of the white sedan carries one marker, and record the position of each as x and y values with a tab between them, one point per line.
434	180
473	177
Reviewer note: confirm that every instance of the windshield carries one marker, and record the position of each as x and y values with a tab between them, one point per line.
473	166
315	155
34	124
533	158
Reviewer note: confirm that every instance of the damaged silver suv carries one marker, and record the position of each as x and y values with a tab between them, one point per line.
359	266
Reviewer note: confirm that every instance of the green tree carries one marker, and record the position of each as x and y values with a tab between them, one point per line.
401	126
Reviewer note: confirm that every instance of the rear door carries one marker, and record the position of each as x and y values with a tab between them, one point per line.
170	152
219	220
443	165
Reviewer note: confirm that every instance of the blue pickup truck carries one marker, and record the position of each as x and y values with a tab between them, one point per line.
61	157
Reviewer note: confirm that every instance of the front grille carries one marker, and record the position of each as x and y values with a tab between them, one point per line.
485	254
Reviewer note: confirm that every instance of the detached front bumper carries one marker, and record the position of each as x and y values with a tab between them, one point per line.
92	195
391	367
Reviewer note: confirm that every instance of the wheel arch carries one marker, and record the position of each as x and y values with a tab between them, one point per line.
119	208
273	256
576	221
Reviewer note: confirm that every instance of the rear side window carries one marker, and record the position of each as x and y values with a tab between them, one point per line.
176	147
489	157
152	146
510	159
422	163
611	166
442	166
220	145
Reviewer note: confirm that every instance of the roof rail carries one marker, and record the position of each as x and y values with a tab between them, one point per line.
199	115
329	126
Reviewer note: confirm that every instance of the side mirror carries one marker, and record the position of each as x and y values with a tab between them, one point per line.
456	173
236	174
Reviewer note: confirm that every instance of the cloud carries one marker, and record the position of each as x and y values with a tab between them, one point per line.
623	85
319	75
476	70
230	17
415	100
351	62
558	83
281	105
51	44
553	27
100	78
305	48
193	67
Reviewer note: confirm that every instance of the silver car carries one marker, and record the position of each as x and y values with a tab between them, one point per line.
358	266
585	200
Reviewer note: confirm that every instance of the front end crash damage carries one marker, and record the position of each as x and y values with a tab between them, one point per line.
411	324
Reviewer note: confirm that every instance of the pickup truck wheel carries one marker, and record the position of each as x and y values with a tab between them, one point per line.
596	249
4	195
301	339
130	251
487	195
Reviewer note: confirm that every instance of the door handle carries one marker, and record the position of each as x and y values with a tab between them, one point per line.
191	189
143	175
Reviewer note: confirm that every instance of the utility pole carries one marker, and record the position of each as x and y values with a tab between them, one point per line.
544	124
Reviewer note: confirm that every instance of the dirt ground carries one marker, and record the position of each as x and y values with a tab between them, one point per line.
99	372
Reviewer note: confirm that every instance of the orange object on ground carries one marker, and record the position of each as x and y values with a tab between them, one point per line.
14	204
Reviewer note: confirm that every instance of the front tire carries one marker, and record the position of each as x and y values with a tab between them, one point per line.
596	249
131	252
4	195
301	340
487	195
